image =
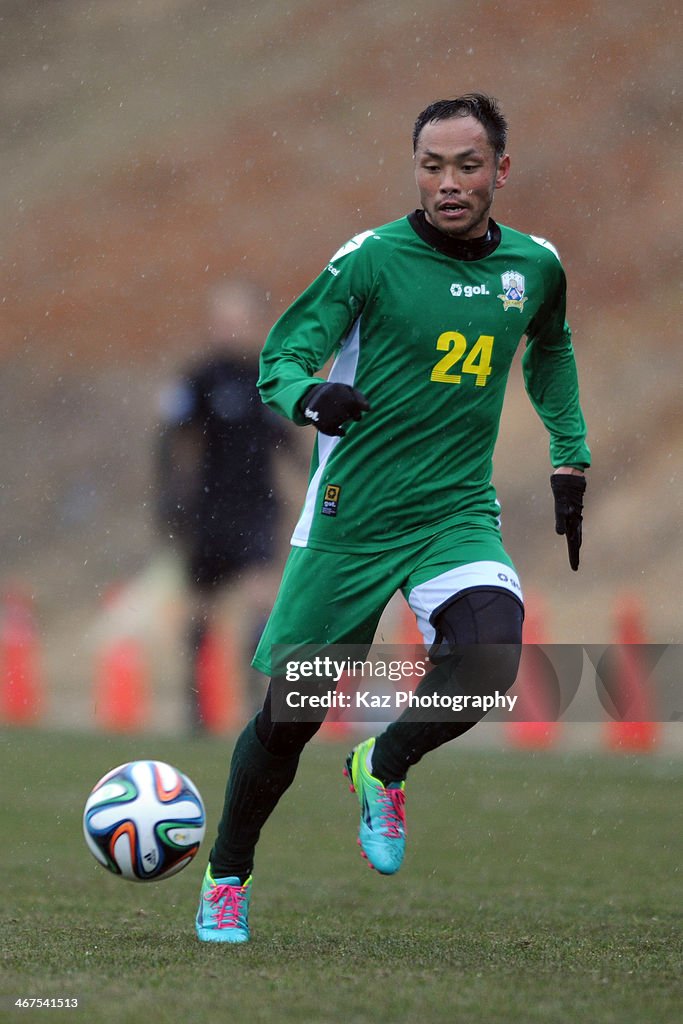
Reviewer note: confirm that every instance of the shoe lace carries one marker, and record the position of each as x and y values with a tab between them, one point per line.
392	814
229	903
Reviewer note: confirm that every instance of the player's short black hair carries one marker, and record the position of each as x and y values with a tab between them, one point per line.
473	104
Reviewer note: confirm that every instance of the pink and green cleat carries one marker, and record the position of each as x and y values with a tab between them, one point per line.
382	833
223	914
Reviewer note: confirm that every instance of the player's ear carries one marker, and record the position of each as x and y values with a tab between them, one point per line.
503	171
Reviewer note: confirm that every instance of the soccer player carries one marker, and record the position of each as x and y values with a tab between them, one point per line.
424	316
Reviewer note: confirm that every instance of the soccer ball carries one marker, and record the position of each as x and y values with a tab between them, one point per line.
144	821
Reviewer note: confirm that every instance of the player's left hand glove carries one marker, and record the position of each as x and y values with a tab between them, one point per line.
330	406
568	494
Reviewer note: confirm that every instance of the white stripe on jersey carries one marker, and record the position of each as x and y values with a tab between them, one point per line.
343	372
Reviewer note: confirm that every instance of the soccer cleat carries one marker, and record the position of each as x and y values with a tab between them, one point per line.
382	833
223	914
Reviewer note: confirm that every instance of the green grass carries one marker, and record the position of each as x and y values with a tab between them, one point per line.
536	888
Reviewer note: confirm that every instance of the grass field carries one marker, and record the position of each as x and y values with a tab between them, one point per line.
536	888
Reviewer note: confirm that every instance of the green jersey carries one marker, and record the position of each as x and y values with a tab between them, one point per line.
429	339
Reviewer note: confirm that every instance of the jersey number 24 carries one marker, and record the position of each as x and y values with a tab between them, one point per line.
460	359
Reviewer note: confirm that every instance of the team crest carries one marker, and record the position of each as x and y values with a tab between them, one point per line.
513	290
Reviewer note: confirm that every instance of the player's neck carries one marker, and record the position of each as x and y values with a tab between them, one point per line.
456	248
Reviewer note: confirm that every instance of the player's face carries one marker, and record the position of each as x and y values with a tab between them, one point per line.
457	173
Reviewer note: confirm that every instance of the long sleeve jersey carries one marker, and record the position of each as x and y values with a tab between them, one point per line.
429	339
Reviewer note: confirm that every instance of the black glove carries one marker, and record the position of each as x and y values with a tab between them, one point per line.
568	494
329	406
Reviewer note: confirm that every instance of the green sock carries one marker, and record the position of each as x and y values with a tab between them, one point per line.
256	782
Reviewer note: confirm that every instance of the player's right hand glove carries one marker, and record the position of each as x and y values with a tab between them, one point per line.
330	406
568	492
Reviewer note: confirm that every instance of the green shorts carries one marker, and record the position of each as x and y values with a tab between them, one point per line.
328	597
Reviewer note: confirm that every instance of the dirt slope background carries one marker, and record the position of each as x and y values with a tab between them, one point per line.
151	147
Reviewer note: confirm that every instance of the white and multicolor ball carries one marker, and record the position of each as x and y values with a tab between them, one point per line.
144	821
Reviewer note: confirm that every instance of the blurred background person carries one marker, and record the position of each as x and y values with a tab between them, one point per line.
218	499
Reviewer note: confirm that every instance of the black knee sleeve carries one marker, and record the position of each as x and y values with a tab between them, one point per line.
480	634
483	615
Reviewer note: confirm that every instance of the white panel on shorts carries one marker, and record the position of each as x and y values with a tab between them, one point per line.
426	597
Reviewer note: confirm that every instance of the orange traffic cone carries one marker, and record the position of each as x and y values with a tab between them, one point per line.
218	678
636	733
19	656
121	686
409	631
533	727
411	637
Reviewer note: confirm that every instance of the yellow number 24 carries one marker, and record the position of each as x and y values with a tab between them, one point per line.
477	360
